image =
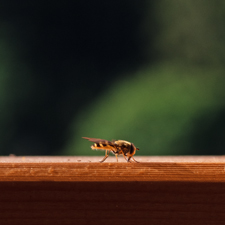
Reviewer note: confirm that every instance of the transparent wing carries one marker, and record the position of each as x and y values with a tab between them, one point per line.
95	140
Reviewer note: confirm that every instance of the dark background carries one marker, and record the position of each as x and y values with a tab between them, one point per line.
150	72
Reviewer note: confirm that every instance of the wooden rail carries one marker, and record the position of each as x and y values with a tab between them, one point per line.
79	190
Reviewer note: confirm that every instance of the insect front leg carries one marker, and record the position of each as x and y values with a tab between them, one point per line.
106	156
134	159
128	160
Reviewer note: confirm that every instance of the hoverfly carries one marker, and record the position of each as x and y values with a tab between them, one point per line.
119	147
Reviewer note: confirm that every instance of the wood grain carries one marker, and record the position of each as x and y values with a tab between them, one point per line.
72	190
202	169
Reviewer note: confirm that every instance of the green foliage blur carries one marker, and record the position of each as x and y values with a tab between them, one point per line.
149	72
164	110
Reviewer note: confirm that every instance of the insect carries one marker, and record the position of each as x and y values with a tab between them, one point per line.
119	147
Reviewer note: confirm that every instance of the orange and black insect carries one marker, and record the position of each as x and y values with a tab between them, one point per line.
119	147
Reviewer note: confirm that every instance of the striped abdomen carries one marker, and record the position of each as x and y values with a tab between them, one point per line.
104	145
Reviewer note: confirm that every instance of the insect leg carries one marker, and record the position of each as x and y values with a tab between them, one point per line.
128	160
124	157
134	160
116	157
106	156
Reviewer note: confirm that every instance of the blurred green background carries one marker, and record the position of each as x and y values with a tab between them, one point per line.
149	72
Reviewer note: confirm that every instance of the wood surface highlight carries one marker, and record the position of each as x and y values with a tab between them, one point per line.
67	169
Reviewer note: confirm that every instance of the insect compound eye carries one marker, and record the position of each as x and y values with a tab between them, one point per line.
132	148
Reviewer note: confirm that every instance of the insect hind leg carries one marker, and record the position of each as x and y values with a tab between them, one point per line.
106	156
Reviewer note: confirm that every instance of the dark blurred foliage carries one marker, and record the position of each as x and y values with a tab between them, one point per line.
192	31
68	67
63	55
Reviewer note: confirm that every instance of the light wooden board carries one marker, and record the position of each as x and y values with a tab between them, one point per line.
72	190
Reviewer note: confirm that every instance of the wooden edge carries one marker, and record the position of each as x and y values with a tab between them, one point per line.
112	172
70	169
